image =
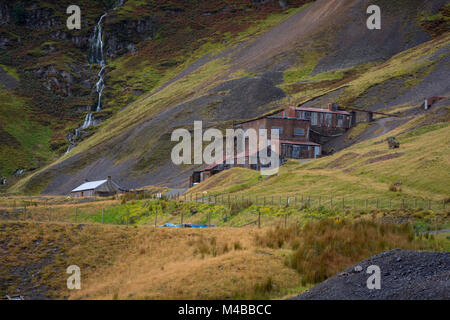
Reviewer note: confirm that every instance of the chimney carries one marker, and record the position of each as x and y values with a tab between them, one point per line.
330	107
291	113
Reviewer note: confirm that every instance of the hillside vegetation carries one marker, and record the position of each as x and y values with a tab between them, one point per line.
295	56
225	263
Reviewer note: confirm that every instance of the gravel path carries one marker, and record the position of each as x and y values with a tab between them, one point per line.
405	275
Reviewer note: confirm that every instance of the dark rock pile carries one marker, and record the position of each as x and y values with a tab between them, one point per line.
405	275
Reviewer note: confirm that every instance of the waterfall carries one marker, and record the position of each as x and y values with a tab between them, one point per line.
88	121
95	56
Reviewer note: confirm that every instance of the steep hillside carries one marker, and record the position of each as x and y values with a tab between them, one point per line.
47	86
320	50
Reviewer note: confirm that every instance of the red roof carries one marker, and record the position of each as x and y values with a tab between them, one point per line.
320	110
307	143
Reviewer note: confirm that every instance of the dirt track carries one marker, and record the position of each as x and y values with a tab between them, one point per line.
405	275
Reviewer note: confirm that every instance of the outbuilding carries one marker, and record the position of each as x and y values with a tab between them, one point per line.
101	188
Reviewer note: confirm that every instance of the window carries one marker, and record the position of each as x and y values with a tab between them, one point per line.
304	148
307	115
314	119
296	152
340	120
299	132
261	130
328	119
280	130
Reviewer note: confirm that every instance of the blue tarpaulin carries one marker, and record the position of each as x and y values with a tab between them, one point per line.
186	225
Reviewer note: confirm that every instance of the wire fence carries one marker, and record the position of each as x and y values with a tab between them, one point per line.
318	202
218	209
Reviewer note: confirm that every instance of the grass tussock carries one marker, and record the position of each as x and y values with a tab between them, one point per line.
325	247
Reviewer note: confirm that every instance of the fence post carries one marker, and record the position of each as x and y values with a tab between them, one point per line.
127	217
403	203
182	216
331	202
429	204
265	201
156	216
209	219
259	219
103	214
320	201
343	203
367	203
76	215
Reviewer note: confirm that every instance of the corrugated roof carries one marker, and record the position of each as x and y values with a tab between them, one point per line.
307	143
89	185
320	110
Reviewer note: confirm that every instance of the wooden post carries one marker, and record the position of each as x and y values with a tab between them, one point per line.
403	203
265	201
182	216
209	219
259	219
127	217
343	203
156	216
103	215
429	204
76	215
331	202
367	203
320	200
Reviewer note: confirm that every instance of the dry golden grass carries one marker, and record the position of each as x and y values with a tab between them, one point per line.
140	263
220	263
